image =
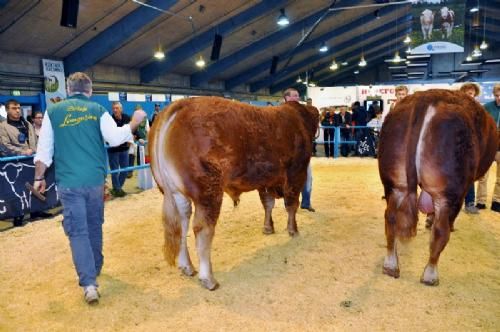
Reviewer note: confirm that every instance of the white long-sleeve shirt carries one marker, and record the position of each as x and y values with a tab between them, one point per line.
111	133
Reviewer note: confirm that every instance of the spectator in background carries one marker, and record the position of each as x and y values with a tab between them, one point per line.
493	108
372	110
292	95
17	137
401	92
344	120
358	119
37	122
155	113
328	133
140	136
118	156
79	154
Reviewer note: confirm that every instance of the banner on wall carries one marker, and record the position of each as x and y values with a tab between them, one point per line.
54	82
438	26
332	96
15	199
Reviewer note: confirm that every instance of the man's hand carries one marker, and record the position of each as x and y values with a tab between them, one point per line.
39	185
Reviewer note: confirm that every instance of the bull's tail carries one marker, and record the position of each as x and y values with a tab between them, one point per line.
166	177
407	215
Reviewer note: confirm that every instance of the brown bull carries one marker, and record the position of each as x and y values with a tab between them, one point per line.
441	141
203	147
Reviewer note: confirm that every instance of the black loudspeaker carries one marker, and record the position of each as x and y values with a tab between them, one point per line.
274	65
216	48
69	14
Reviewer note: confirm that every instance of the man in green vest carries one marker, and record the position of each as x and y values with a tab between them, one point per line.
73	134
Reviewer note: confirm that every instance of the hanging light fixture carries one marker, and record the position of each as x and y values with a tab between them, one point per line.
407	39
323	48
200	63
408	50
396	58
299	79
476	53
159	54
334	65
362	61
283	20
468	58
484	45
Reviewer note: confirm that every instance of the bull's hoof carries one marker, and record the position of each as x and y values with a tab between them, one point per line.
391	272
431	282
267	230
293	233
210	284
188	270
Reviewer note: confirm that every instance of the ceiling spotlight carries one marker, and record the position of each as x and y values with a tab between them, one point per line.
407	40
299	79
159	54
474	9
312	84
397	58
334	65
323	48
476	53
356	72
483	45
376	13
362	61
345	63
200	63
408	50
283	19
468	58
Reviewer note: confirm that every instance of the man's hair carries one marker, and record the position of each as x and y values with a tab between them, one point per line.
116	103
496	88
471	86
79	83
11	102
309	99
289	91
401	88
356	103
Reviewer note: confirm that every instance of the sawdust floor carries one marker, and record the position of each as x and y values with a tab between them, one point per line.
327	279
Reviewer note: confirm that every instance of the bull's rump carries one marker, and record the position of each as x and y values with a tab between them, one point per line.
456	148
246	147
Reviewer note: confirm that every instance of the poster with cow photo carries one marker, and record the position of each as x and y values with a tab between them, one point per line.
438	26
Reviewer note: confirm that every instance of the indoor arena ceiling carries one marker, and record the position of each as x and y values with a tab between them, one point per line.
126	33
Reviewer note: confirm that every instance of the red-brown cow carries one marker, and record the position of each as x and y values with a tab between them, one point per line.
203	147
441	141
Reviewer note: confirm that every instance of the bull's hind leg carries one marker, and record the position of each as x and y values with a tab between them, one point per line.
185	210
391	262
268	202
205	219
440	234
292	204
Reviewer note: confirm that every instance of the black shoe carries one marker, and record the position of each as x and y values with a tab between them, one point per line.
18	221
495	206
311	209
481	206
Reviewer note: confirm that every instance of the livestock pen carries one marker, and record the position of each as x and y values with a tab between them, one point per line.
329	278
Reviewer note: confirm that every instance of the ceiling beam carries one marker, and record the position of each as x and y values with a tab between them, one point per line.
247	75
113	37
194	45
312	59
262	44
382	40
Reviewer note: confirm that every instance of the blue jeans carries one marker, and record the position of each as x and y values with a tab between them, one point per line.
83	210
470	197
306	191
118	160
